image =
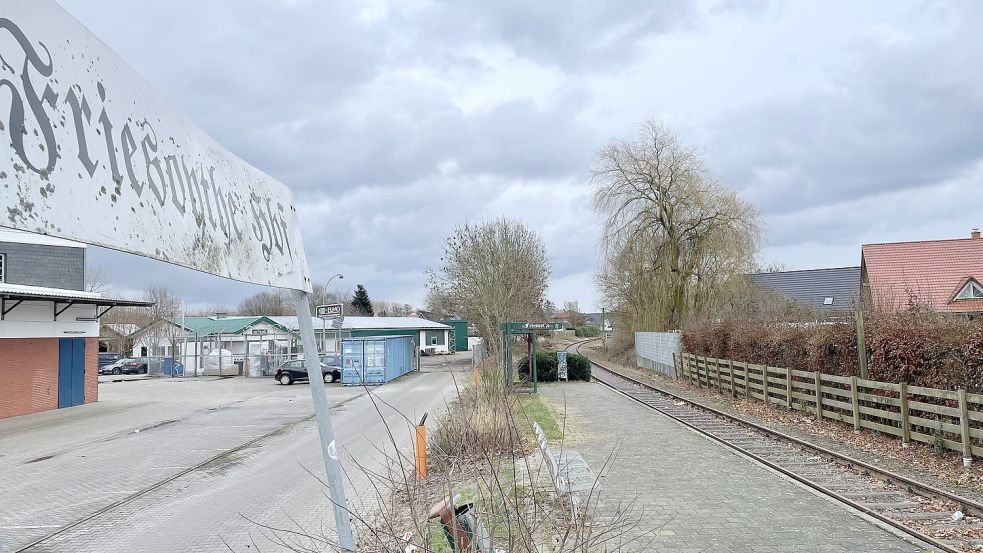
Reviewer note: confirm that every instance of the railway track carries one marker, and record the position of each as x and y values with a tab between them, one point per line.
919	510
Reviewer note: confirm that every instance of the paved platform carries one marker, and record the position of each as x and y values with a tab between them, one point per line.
693	494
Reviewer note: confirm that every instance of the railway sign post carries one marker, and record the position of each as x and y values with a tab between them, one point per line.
530	330
330	311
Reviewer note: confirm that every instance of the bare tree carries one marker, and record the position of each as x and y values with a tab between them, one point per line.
96	280
272	303
162	328
493	272
672	233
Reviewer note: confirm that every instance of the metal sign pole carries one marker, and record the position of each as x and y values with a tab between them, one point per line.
329	451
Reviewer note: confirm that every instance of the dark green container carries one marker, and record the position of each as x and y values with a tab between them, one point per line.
460	333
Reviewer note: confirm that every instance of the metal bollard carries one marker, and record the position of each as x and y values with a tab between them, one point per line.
421	449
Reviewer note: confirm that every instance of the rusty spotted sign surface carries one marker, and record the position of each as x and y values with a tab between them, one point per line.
89	151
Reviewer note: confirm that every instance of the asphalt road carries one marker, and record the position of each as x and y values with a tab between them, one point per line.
216	477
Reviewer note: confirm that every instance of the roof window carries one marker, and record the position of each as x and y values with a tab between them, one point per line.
972	291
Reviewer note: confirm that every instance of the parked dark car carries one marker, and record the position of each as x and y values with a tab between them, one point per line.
108	358
294	371
113	368
128	365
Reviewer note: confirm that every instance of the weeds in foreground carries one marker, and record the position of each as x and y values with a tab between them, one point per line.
480	456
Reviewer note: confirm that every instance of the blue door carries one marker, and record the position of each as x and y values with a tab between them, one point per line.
71	372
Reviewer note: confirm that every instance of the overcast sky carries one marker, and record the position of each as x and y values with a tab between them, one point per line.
394	121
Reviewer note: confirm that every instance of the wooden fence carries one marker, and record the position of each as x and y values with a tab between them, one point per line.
940	418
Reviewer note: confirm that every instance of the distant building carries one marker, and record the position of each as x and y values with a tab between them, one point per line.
944	275
49	324
430	336
594	319
836	289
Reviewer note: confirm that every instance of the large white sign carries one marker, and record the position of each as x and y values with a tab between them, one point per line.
91	152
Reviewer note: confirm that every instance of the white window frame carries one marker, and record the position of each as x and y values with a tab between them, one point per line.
433	340
971	291
3	267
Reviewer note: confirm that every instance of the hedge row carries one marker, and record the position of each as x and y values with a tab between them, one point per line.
914	346
578	367
587	331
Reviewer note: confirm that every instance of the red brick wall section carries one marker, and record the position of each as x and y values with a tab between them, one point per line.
29	375
91	370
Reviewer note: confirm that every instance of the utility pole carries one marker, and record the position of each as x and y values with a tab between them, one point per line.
184	342
322	411
861	345
604	331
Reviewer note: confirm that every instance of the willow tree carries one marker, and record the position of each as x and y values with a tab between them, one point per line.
492	272
673	235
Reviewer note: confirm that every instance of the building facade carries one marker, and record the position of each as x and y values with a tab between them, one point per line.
49	326
943	275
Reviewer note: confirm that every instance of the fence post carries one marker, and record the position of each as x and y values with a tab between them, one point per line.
855	403
746	371
819	395
733	387
764	383
905	424
788	389
706	368
675	370
716	371
964	422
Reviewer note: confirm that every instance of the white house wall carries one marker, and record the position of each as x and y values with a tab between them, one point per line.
422	339
35	319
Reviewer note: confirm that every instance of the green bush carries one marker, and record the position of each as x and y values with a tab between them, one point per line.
578	367
587	331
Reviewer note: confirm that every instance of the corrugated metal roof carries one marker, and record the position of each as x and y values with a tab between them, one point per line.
224	325
24	237
42	291
930	271
813	287
24	292
369	323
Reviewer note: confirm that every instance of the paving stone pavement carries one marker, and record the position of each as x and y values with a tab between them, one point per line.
219	506
692	494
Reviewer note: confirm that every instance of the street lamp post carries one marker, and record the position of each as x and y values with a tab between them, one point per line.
324	331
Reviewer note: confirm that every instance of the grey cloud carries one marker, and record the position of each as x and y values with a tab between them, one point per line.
575	35
312	94
903	116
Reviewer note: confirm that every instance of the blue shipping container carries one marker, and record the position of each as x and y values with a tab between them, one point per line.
374	360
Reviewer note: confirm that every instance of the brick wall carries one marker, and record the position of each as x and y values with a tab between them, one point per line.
29	374
91	370
43	265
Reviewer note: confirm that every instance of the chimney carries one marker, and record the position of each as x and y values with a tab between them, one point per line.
975	234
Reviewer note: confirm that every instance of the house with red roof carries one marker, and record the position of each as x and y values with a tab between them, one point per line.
945	275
